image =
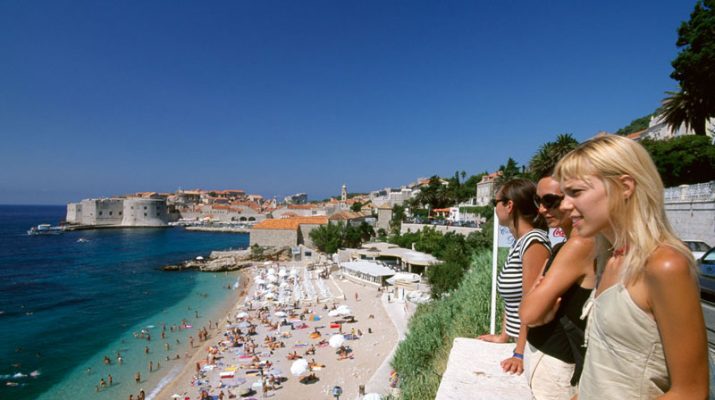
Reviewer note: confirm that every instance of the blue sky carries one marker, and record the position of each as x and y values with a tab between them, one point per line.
107	97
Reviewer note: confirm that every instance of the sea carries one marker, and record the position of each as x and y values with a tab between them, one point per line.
69	300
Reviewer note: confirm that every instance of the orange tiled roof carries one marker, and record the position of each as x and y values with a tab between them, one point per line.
635	135
491	177
345	215
290	223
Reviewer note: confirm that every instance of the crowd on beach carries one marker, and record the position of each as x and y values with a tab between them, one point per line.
614	311
290	327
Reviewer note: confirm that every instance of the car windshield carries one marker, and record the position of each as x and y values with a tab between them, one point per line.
698	246
709	257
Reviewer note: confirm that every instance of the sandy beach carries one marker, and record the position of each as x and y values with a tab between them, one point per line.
230	367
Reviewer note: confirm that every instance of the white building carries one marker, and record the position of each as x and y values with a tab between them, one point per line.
486	188
658	129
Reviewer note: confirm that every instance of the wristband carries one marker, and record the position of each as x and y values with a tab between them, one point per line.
518	355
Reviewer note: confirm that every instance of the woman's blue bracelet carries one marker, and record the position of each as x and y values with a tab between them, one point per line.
518	355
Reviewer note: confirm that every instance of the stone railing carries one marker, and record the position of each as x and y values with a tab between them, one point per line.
698	192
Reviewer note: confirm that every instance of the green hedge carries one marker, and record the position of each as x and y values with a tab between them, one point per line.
420	360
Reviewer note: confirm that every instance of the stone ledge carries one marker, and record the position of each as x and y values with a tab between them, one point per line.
473	372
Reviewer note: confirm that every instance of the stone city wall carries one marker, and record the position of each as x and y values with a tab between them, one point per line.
274	237
405	228
101	212
145	212
693	220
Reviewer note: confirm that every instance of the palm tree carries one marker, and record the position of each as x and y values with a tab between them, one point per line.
509	171
549	154
680	108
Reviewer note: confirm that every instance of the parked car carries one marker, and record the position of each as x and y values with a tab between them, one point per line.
706	269
697	247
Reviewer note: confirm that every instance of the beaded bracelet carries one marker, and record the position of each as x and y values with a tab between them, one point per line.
518	355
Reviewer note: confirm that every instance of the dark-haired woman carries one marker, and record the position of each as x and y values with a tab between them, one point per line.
555	347
515	209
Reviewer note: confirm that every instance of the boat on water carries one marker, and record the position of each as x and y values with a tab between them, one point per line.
45	229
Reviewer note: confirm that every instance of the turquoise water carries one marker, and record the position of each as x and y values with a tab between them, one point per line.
65	304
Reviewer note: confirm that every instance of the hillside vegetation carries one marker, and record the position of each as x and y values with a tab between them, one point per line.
420	360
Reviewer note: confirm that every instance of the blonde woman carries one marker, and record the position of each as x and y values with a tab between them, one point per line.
552	310
646	335
515	209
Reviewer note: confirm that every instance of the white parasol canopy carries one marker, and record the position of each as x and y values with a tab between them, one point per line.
242	315
280	314
372	396
336	341
344	310
299	367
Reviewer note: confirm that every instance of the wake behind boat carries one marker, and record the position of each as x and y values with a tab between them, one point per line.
45	229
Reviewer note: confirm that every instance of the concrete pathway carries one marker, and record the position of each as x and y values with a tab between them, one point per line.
400	316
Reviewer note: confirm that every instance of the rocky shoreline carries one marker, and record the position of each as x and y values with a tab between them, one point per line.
220	261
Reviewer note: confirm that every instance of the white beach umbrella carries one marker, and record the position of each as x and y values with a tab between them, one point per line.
267	263
199	258
175	396
260	281
299	367
284	285
257	385
242	315
344	311
336	341
272	278
281	314
271	271
270	295
372	396
333	313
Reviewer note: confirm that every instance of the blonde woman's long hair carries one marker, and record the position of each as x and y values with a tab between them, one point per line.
638	222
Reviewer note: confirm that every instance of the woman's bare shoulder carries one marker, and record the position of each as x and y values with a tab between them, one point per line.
667	263
581	246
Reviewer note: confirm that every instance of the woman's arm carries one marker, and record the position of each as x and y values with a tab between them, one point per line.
532	263
674	299
574	261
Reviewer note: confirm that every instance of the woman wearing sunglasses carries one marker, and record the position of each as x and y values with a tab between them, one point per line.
515	209
646	335
552	310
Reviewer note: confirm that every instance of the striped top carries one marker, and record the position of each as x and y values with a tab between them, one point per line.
509	281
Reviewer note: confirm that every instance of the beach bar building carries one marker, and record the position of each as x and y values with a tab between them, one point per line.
366	271
400	258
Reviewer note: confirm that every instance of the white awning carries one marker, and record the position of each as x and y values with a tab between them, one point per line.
367	267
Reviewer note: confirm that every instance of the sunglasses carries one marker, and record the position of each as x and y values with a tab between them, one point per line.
549	201
494	202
